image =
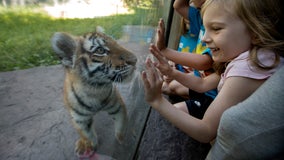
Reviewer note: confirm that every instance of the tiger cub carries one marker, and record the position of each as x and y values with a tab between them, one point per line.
93	62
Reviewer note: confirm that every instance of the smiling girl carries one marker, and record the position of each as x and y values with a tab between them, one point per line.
246	37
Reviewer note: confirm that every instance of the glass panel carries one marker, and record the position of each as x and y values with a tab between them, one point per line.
34	121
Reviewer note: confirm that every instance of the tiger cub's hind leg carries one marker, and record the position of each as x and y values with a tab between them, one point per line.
88	138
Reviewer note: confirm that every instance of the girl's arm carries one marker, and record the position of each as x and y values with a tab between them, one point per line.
197	61
235	90
195	83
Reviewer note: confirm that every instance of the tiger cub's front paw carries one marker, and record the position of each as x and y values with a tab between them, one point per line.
83	146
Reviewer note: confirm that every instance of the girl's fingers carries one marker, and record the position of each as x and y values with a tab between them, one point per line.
160	41
145	79
161	28
161	24
150	70
162	60
153	74
156	52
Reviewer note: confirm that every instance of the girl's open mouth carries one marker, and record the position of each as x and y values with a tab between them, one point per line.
214	49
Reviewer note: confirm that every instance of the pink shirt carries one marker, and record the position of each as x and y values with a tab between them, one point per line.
242	67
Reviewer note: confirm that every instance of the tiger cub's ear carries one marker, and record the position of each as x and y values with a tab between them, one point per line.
64	46
100	29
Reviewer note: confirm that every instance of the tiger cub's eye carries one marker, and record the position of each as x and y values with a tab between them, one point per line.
100	50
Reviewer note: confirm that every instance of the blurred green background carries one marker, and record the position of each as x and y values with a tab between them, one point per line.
26	30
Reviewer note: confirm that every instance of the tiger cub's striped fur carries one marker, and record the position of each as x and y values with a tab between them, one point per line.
92	63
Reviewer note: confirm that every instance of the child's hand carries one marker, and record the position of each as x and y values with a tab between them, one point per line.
153	81
164	67
160	43
166	78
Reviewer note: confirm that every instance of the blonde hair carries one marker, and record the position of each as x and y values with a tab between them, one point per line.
263	20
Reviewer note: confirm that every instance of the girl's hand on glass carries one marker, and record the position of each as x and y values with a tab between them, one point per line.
162	62
160	43
167	79
153	81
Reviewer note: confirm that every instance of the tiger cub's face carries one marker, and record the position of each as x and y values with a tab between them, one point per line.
95	57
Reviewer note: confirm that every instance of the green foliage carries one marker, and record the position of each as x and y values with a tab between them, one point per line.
25	34
140	3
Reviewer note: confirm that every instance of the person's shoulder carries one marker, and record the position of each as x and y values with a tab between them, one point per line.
242	66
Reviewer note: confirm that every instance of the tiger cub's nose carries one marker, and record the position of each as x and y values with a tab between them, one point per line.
131	60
